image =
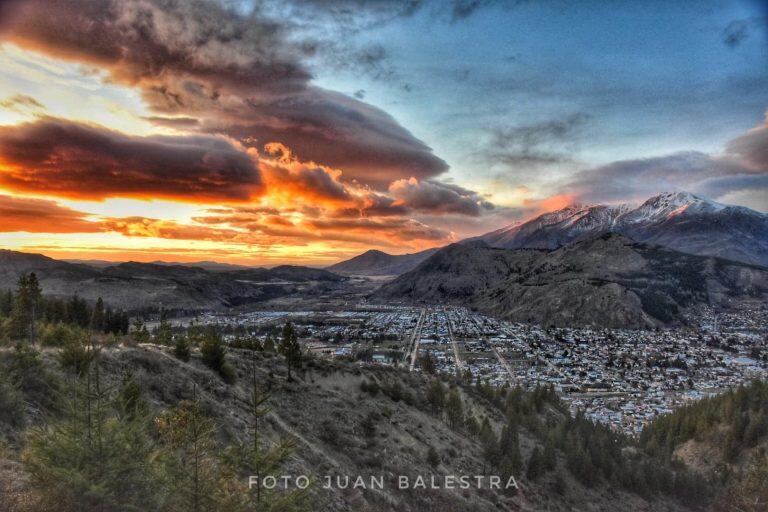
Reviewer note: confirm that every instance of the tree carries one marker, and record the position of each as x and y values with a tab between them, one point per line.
164	333
454	409
549	457
290	348
25	307
535	465
140	332
428	363
269	344
6	303
98	316
489	442
91	458
436	397
214	355
250	459
181	348
471	424
187	458
433	458
511	461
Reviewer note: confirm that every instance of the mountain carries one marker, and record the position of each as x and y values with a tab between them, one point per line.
680	221
378	263
133	285
608	281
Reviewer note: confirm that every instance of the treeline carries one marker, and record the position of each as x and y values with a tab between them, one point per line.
213	349
26	314
742	413
104	448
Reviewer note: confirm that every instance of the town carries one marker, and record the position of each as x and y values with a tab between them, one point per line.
623	378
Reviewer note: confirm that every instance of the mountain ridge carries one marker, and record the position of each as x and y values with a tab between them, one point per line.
678	220
606	281
378	263
128	284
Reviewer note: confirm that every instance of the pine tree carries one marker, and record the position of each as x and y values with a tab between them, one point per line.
164	333
436	397
140	332
428	364
269	344
511	461
98	316
454	409
290	348
489	442
188	459
181	348
535	465
6	303
242	461
433	458
91	458
214	355
471	424
25	307
550	456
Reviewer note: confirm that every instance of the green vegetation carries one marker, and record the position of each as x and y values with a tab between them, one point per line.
105	449
290	348
214	354
742	412
27	315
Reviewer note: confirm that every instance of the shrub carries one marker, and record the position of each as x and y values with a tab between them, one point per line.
11	404
181	348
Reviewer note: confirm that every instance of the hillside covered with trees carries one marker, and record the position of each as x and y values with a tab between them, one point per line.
178	419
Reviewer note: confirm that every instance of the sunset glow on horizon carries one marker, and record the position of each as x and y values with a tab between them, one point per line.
203	131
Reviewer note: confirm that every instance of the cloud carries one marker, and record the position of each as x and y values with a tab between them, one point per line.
435	197
751	148
67	159
738	31
741	168
338	131
535	144
238	74
41	216
21	103
158	228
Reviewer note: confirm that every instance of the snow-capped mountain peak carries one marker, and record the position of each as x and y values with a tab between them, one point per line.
679	220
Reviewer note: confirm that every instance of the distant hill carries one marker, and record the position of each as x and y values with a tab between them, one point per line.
378	263
680	221
606	281
134	285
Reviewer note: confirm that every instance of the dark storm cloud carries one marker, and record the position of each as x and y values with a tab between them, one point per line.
173	122
438	198
67	159
238	74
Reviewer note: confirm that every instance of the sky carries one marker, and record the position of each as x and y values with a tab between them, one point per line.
308	131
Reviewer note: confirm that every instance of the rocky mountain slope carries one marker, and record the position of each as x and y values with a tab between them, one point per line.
680	221
344	420
134	285
378	263
606	281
